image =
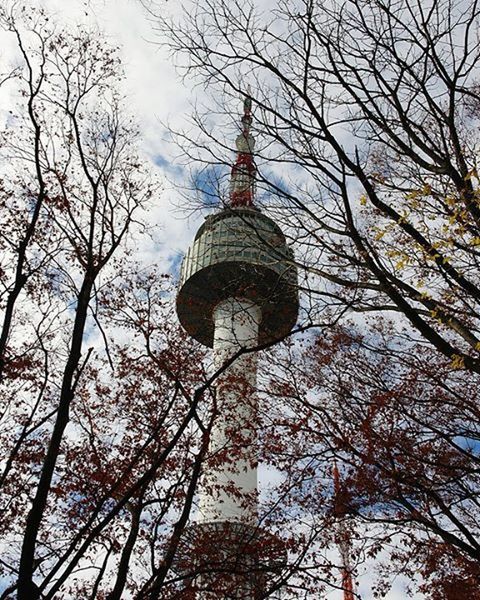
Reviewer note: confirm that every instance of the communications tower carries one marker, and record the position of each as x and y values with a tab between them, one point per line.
238	290
344	541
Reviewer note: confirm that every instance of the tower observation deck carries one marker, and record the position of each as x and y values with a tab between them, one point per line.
238	290
238	252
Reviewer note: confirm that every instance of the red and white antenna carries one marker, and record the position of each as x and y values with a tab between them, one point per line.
343	540
242	182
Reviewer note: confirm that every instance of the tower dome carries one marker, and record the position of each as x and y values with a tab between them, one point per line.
238	252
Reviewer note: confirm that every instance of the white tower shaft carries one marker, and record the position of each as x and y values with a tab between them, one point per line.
242	255
229	487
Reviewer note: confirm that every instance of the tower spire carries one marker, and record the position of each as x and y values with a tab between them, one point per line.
343	539
242	182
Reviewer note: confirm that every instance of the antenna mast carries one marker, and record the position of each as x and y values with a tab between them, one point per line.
242	182
343	540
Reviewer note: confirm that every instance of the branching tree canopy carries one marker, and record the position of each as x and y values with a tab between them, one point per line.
100	443
367	113
106	405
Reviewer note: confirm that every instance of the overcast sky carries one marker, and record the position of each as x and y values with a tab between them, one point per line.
155	94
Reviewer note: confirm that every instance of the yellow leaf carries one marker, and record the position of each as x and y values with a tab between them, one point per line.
427	189
413	195
450	200
457	362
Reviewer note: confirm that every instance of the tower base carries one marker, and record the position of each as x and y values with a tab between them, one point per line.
229	560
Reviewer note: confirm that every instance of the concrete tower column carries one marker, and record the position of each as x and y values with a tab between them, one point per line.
229	488
238	289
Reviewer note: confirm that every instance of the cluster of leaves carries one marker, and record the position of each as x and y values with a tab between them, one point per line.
405	430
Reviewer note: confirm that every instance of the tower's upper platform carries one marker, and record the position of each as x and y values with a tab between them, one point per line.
238	252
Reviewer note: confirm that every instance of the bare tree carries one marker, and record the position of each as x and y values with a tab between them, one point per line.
368	117
101	440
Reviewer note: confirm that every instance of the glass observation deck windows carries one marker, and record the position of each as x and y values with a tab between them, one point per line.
238	252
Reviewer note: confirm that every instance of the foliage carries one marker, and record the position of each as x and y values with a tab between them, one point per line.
368	118
100	448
